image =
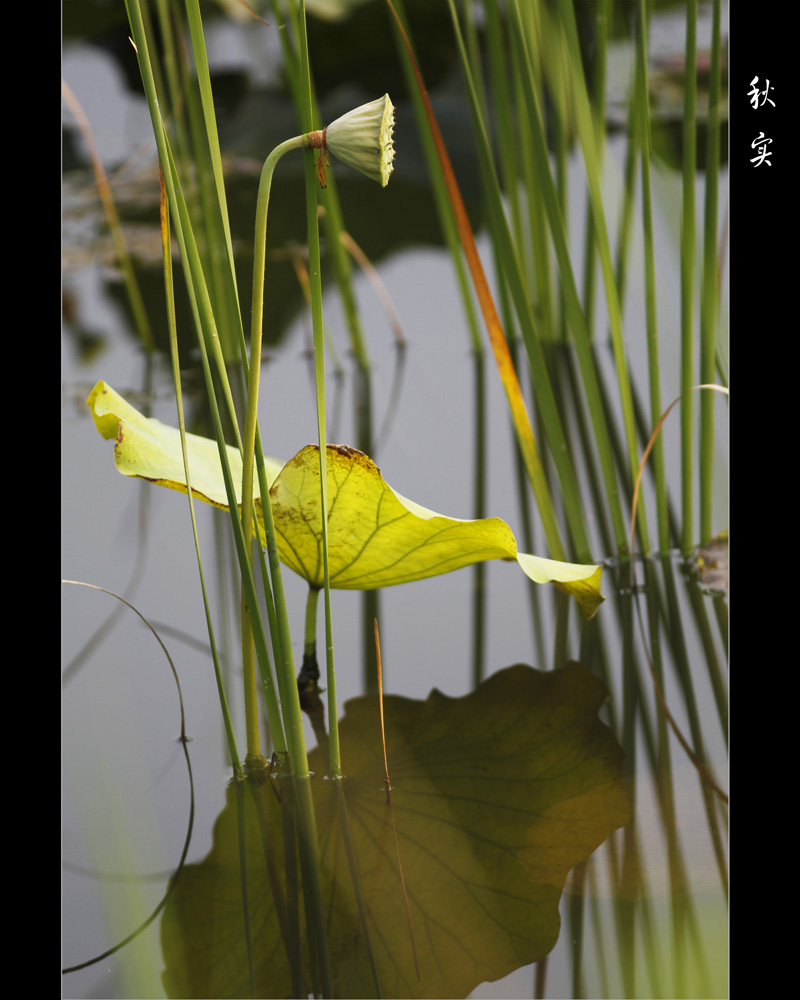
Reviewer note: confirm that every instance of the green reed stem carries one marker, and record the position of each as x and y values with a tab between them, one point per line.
287	683
223	270
604	15
214	200
560	90
708	306
546	190
176	375
527	79
478	511
625	223
251	415
443	205
507	140
315	276
546	401
334	228
174	84
687	279
586	132
309	856
651	319
207	339
179	92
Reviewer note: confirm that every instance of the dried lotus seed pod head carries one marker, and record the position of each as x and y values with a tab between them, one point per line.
363	139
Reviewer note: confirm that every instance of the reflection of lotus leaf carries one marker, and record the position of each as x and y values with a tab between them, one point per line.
376	538
495	797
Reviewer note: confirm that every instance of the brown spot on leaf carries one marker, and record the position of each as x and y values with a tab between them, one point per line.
345	450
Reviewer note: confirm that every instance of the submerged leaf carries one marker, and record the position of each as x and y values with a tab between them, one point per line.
495	797
376	537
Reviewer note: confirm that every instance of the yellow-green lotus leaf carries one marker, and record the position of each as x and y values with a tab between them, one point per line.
147	449
376	537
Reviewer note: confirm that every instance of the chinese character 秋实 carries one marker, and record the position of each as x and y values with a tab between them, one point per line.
754	93
763	155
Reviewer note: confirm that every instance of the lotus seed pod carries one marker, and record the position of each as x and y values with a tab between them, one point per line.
363	139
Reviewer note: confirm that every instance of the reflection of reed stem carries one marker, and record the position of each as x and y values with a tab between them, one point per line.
478	511
240	826
112	218
388	787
